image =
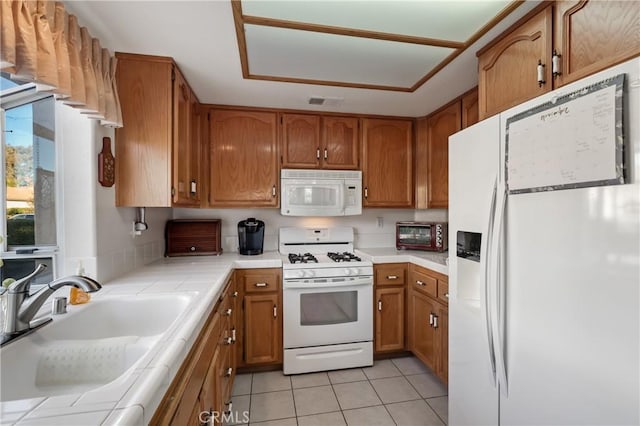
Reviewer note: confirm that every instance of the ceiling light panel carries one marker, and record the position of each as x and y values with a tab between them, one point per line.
444	20
279	52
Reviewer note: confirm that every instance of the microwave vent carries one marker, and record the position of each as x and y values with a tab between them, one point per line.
316	100
326	100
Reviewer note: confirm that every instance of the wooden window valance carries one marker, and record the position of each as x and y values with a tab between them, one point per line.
41	43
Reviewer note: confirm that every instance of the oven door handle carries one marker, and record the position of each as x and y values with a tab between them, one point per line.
363	281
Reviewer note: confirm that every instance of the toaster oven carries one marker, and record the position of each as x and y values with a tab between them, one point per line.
428	236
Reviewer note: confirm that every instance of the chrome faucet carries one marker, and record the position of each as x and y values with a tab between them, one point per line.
21	308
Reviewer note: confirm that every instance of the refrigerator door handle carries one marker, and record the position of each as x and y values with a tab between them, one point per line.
487	279
500	300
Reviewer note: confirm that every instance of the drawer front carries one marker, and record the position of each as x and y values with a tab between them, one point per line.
393	274
443	291
425	284
261	282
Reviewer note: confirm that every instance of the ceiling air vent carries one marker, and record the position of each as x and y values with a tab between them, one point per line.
325	100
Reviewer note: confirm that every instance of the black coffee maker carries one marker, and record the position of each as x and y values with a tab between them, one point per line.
250	236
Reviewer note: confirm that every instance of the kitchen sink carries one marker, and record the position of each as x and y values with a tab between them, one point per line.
90	346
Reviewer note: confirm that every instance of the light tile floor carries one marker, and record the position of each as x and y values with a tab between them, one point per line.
400	391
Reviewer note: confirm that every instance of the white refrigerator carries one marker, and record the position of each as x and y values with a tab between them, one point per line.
544	303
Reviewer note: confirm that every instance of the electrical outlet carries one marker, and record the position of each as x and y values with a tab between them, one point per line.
380	222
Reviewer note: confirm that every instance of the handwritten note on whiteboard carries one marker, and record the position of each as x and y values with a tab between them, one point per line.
574	142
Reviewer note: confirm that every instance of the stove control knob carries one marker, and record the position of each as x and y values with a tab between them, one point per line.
347	271
310	273
355	271
299	273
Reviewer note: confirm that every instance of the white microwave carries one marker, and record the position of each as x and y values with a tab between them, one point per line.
320	192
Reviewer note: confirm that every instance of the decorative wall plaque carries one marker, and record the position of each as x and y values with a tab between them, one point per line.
106	164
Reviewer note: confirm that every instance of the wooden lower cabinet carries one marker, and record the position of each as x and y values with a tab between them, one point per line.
428	319
202	387
389	319
260	319
389	307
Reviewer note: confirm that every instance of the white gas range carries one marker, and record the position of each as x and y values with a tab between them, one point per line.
328	295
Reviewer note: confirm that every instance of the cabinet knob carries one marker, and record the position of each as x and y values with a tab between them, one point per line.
228	312
234	294
318	154
379	305
273	191
435	321
233	335
228	340
366	192
275	311
192	248
431	316
194	187
326	154
228	374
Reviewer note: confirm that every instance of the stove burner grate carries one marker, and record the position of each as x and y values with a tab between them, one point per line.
343	257
302	258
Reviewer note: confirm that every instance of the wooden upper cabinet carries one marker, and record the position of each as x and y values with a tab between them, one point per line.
312	141
185	166
507	70
155	148
340	143
300	140
243	159
440	126
592	35
387	163
470	108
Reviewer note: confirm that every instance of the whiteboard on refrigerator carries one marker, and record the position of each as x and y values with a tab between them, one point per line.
573	141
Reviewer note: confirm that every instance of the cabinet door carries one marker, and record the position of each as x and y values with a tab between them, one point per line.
390	314
243	159
195	152
508	70
470	108
440	126
442	331
422	337
143	146
300	138
262	336
593	35
340	143
210	397
182	142
387	163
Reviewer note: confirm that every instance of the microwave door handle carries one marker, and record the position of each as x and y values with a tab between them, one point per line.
343	198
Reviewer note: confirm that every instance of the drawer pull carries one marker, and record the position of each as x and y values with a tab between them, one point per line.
261	284
228	340
228	374
392	277
233	335
228	312
419	282
446	295
235	294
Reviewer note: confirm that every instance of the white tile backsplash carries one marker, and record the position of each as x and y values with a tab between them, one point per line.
369	231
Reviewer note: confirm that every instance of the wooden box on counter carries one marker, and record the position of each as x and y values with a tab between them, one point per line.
187	237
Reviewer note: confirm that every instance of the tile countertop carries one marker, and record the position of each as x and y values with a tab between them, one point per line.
134	397
435	261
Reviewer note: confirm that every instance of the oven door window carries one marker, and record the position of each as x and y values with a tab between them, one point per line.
337	307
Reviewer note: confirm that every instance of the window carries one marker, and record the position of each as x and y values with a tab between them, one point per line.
29	179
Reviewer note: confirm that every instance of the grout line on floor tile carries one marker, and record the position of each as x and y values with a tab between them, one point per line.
434	410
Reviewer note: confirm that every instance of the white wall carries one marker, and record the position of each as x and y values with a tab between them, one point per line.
368	231
93	230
